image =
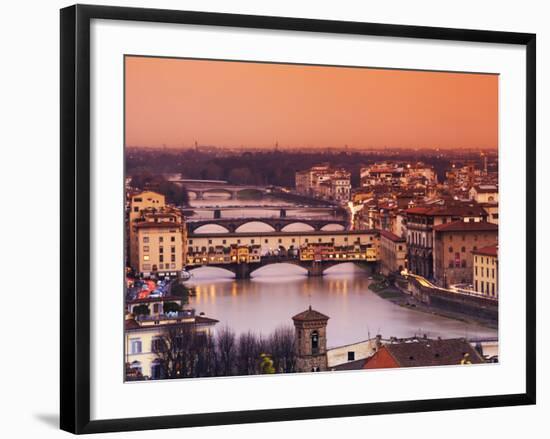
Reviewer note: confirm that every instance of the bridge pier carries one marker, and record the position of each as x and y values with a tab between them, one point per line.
315	270
242	271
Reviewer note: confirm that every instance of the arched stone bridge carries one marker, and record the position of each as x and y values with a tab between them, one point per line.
314	268
278	224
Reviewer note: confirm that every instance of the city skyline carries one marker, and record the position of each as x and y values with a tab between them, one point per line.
256	106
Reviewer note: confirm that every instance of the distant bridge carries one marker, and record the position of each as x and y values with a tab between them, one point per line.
278	224
201	187
244	270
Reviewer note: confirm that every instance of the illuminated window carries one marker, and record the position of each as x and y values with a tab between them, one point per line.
145	257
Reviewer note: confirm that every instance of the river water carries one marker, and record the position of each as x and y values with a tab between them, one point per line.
277	292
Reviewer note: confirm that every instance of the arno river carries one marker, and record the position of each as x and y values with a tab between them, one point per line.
277	292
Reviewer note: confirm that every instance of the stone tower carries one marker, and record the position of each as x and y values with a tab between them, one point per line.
311	341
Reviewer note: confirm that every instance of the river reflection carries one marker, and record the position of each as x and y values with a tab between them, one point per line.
278	292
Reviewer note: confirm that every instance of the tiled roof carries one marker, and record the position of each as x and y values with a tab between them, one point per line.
461	226
433	353
490	250
351	365
131	324
391	236
309	315
464	210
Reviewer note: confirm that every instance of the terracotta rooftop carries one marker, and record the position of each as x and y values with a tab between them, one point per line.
391	236
309	315
461	226
457	210
490	250
432	353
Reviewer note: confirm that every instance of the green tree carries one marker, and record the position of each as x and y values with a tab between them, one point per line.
141	310
179	290
171	307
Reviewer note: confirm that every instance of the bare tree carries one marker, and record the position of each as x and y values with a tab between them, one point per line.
281	347
226	347
248	354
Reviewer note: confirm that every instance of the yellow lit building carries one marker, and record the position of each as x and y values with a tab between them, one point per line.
157	235
486	270
138	203
393	253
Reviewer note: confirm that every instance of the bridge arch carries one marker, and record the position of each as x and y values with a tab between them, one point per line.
259	225
333	227
220	190
203	271
272	269
338	266
297	226
211	227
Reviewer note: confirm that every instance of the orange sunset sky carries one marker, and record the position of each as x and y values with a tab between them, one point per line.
176	102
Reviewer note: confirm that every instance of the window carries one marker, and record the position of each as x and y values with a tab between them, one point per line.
493	273
476	270
172	239
138	200
314	342
451	238
463	263
251	241
173	258
293	239
280	241
173	249
190	241
161	239
136	209
161	258
450	249
145	257
307	240
463	249
209	241
146	267
266	241
135	346
146	239
146	248
161	249
351	356
320	240
345	239
476	284
238	241
224	241
157	344
400	247
157	371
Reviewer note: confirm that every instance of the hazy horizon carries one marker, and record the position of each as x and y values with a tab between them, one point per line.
173	103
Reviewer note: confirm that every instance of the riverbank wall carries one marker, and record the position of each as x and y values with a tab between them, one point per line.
442	299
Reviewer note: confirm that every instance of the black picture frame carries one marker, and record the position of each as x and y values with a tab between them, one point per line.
75	217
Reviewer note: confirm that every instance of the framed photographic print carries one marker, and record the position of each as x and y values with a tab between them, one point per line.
269	218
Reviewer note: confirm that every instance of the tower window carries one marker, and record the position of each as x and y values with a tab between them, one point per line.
314	342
